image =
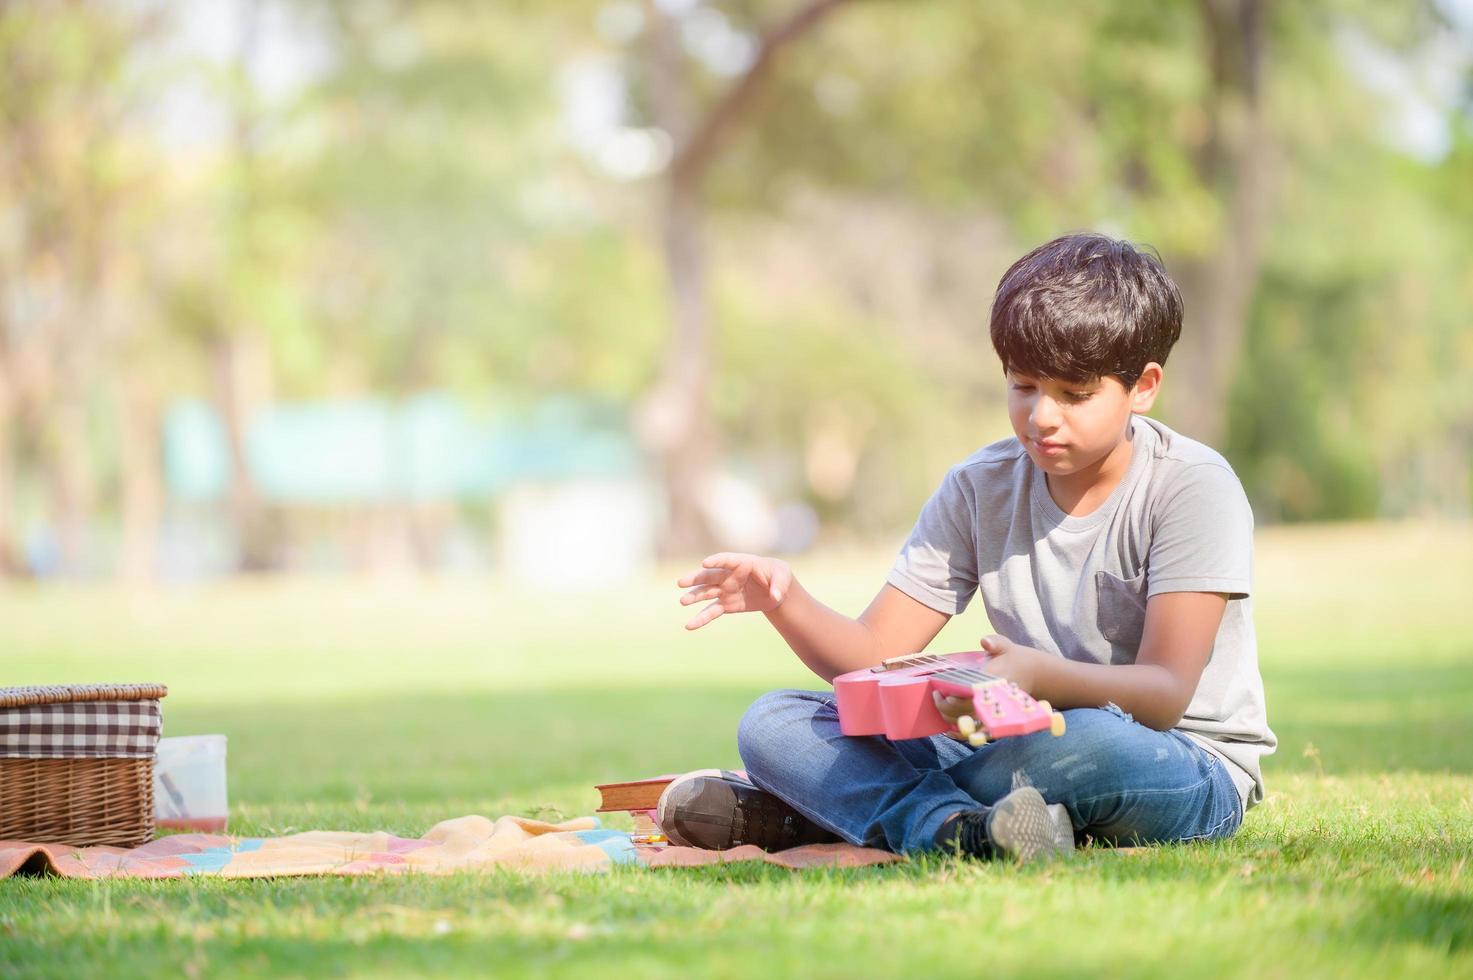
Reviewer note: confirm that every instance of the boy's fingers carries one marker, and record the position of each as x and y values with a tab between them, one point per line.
730	565
699	594
704	616
702	577
951	708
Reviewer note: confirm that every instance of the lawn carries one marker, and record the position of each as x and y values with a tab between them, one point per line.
393	705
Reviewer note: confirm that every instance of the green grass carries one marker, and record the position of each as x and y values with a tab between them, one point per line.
395	705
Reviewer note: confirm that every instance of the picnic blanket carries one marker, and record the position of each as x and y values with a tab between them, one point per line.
464	843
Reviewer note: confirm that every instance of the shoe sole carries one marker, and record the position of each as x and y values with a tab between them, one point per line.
1021	827
710	810
699	812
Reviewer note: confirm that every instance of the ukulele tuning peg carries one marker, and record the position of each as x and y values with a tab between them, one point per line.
1056	724
977	739
967	725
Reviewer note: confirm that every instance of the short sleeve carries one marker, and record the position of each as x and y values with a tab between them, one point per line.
1202	537
937	566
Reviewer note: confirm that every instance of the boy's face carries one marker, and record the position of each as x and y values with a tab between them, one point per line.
1070	426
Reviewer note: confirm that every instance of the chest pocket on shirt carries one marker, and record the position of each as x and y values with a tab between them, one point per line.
1121	613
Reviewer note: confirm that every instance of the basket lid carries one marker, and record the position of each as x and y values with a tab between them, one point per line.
15	697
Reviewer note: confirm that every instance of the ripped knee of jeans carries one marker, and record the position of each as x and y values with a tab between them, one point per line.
1116	710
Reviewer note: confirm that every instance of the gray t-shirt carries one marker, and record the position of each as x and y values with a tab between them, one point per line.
1077	586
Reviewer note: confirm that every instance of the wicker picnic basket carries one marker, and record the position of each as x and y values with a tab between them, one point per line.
76	763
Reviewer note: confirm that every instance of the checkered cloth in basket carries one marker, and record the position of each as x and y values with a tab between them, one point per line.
95	722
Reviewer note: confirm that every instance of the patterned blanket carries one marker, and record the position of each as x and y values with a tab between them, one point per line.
465	843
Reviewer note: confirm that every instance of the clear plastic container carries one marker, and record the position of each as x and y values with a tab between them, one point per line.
189	783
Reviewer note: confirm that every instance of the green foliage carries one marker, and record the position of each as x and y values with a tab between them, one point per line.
416	218
1298	425
1350	397
811	372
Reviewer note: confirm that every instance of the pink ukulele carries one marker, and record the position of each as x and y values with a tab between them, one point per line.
894	699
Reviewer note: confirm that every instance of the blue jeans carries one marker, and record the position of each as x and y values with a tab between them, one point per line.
1121	782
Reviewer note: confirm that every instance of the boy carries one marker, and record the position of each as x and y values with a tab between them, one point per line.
1113	557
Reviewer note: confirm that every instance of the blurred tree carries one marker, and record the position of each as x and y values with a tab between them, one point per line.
69	171
1144	119
676	424
231	252
457	250
1161	122
796	271
1231	166
1352	401
240	371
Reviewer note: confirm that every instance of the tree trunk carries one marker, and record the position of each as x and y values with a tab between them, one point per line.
69	479
241	370
1218	288
685	383
674	419
236	401
142	491
10	564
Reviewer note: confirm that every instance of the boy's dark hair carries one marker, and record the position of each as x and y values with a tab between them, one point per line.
1085	306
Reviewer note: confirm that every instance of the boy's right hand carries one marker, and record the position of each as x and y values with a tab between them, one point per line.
736	583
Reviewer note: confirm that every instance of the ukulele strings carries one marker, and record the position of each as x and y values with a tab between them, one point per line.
964	674
960	674
956	674
921	660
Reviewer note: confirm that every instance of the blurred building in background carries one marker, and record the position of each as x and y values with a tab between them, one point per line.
558	497
367	483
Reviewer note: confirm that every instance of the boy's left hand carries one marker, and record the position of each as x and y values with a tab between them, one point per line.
1006	659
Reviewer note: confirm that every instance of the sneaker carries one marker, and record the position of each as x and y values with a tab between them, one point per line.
1063	826
718	811
1018	826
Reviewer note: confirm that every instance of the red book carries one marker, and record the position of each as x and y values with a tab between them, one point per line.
637	794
